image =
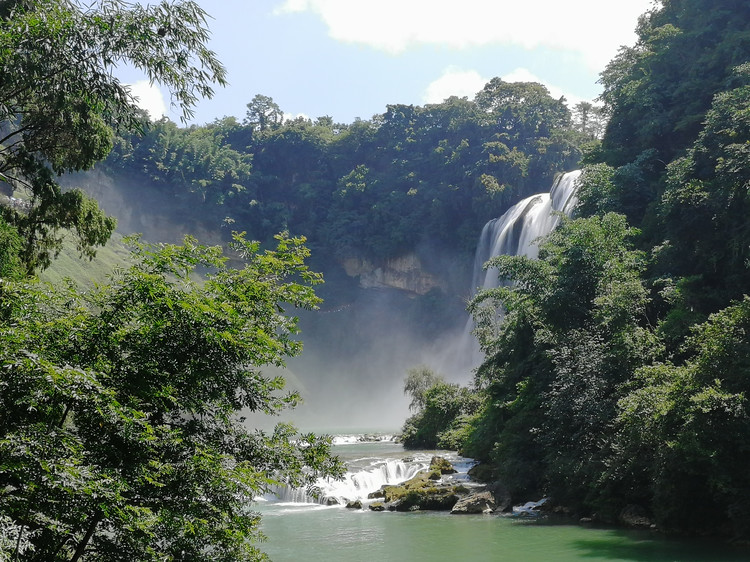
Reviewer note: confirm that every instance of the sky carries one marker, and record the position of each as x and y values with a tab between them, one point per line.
349	59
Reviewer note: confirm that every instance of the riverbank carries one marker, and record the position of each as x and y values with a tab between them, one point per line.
307	529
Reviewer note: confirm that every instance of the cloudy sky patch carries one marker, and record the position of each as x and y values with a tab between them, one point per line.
350	59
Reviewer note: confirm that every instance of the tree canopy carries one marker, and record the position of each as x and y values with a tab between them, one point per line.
619	375
61	104
411	177
121	428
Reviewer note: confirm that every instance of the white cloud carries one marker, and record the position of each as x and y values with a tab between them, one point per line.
454	82
457	82
293	116
587	27
149	97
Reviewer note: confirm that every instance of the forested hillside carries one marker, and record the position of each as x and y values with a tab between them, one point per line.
617	381
120	404
391	209
620	375
411	177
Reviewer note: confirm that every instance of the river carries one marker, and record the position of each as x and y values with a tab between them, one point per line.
298	529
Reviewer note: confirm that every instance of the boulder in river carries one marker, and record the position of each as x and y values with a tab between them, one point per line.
635	516
481	502
442	465
422	492
436	499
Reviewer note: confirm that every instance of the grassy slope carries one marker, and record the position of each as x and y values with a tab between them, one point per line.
70	265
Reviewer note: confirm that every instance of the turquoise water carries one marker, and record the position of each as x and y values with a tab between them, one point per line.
336	534
321	533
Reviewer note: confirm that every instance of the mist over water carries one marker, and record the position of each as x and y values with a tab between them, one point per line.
140	208
355	360
360	345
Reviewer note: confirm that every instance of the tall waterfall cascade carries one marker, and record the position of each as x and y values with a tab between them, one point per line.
517	233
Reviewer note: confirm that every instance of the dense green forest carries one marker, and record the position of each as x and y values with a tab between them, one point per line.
374	189
121	429
618	377
620	374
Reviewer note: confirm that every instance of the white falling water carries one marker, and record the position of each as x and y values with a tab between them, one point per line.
517	233
357	484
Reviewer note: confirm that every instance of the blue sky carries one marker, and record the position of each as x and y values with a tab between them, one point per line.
350	58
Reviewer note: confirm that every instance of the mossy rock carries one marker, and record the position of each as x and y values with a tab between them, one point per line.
437	499
377	506
442	465
392	493
422	491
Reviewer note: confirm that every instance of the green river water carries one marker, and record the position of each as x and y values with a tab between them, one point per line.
309	532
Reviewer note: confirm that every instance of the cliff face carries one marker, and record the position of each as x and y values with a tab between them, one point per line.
405	273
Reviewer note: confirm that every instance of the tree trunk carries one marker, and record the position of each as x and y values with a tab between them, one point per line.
81	548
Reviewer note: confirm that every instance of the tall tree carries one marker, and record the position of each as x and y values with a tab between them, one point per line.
121	436
263	113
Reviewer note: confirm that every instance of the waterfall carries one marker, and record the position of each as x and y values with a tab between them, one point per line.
357	484
516	233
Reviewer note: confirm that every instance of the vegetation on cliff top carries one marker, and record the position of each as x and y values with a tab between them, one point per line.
412	177
619	375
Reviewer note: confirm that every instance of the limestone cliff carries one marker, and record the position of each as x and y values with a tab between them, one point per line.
405	273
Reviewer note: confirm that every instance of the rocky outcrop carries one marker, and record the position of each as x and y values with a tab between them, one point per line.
442	465
405	273
481	502
425	491
428	499
635	516
428	490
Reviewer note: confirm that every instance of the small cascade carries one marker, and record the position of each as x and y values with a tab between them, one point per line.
356	485
363	438
517	233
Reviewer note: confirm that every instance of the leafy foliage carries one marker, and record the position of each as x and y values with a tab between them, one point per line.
442	410
684	429
60	103
411	177
571	333
120	434
618	374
